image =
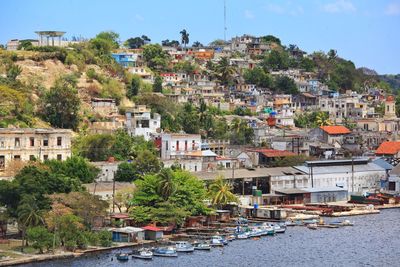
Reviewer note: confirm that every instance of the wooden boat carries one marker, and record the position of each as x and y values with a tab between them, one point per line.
165	252
202	246
144	254
122	256
312	226
183	246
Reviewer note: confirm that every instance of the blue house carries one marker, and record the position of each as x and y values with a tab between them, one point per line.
125	59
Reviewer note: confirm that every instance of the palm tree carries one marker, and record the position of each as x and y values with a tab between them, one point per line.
224	71
322	119
221	192
184	37
166	186
29	214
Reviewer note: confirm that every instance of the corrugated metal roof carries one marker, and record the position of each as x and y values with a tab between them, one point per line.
340	169
245	173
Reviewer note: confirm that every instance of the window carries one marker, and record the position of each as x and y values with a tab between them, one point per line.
2	144
17	142
59	157
177	145
2	162
45	157
17	157
32	141
59	141
186	145
45	142
166	145
193	144
228	165
32	158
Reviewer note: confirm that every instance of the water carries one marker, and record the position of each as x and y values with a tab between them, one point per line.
373	241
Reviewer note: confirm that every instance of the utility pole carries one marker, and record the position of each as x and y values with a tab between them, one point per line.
225	20
352	175
113	191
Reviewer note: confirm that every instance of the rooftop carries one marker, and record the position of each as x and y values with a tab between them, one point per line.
273	153
32	130
388	148
335	129
246	173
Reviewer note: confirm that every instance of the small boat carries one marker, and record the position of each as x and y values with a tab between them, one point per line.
183	246
279	229
144	254
231	238
202	246
122	256
242	236
312	226
344	223
221	239
165	252
256	232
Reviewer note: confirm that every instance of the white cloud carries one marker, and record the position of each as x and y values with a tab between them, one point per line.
275	8
248	14
285	8
393	9
139	17
339	6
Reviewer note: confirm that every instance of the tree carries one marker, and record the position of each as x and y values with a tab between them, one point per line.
134	43
83	204
166	185
271	39
220	192
133	87
217	42
157	86
123	197
126	172
29	214
322	119
275	60
184	37
13	71
146	162
75	167
188	118
61	105
197	44
172	43
332	54
225	71
240	132
40	238
285	85
109	36
155	57
258	77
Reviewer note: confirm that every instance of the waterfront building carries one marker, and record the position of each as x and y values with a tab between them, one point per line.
28	144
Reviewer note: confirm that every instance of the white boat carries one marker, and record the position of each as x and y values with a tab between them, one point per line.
242	236
202	246
256	233
183	246
144	254
220	238
165	252
312	226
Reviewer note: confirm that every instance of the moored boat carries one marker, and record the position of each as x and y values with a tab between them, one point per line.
144	254
202	246
242	235
122	256
312	226
165	252
221	239
183	246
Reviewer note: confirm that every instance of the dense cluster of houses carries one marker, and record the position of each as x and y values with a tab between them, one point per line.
356	152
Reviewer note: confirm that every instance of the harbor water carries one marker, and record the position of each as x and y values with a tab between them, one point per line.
374	240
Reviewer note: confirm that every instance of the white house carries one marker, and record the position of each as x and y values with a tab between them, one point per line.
140	122
177	145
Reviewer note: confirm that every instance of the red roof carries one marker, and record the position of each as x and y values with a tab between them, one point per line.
335	129
120	216
388	148
273	153
151	228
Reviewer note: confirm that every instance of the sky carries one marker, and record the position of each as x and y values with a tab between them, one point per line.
364	31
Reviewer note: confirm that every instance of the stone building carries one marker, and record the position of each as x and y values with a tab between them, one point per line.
27	144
